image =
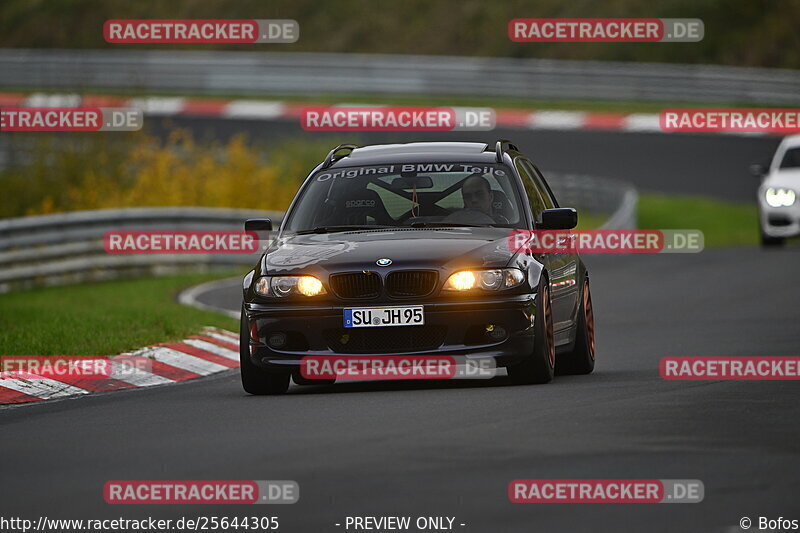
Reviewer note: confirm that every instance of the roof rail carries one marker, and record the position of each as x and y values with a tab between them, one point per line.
331	157
498	149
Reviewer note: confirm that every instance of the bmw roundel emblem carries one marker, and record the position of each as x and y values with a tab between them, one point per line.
385	262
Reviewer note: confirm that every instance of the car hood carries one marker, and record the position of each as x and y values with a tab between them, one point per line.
407	248
789	177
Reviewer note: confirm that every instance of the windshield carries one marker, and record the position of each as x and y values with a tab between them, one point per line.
423	194
791	159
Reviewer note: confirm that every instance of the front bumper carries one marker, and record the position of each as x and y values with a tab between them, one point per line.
779	221
454	328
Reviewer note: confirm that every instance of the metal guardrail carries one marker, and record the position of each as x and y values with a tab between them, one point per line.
68	248
261	73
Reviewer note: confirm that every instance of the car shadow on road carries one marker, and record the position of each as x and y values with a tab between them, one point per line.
343	387
601	378
399	385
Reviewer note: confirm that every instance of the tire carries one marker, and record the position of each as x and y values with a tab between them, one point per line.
581	359
254	379
771	242
539	367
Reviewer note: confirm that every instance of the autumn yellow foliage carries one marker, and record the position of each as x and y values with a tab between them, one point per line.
142	170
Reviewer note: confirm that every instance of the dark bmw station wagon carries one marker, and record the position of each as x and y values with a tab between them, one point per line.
403	249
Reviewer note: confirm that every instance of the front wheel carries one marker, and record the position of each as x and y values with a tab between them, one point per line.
771	242
539	367
581	359
254	379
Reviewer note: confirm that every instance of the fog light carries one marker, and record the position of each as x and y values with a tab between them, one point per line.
496	333
277	340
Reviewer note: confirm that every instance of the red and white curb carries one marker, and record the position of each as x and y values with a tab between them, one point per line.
160	106
214	350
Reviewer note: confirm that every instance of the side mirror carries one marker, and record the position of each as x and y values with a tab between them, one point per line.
758	170
560	218
258	224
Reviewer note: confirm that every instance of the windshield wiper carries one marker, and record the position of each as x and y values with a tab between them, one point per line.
447	225
334	229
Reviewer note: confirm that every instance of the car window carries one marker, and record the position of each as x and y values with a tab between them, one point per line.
531	190
541	186
791	159
397	195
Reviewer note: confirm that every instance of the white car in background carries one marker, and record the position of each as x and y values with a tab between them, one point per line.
778	202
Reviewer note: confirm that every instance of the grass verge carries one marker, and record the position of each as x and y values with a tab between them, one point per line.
722	223
590	220
103	318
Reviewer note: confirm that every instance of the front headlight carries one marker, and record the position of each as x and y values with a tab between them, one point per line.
780	197
282	286
487	280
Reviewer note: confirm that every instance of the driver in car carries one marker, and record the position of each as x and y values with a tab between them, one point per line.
476	193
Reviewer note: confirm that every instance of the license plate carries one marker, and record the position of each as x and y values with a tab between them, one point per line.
365	317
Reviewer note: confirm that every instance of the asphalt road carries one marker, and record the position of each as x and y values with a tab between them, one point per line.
450	449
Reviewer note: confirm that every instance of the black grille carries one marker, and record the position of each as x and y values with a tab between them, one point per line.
779	220
356	285
395	339
406	283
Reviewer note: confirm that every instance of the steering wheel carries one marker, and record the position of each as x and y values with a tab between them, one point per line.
469	216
